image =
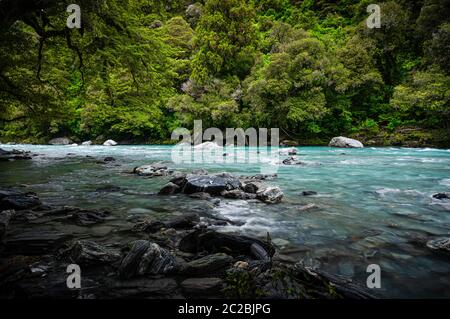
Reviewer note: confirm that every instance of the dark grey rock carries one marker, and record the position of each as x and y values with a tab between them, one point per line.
309	193
146	258
85	252
440	244
270	195
140	288
208	264
35	243
441	196
170	189
212	184
10	199
238	194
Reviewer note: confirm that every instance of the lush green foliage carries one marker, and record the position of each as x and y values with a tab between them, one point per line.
137	69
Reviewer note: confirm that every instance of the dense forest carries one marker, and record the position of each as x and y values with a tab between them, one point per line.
137	69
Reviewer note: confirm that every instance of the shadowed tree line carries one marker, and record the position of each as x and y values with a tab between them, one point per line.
138	69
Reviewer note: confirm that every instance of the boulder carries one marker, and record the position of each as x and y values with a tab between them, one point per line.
87	143
207	265
238	194
85	252
345	142
60	141
146	257
270	195
292	161
170	189
18	201
152	170
110	143
35	243
440	244
214	242
252	187
212	184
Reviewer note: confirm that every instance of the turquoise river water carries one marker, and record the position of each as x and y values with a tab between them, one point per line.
374	205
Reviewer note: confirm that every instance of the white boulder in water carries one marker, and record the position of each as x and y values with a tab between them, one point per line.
87	143
345	142
207	146
60	141
289	151
110	143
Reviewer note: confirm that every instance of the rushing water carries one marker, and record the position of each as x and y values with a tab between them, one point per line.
373	204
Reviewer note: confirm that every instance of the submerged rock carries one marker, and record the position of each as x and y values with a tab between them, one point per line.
440	244
60	141
442	196
14	155
292	161
345	142
146	257
308	193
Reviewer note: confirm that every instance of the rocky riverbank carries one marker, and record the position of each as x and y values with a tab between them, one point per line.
176	258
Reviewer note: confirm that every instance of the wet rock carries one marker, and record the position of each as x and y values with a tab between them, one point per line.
440	244
308	193
108	189
202	286
146	257
18	201
200	171
345	142
153	170
109	159
202	196
15	155
85	252
148	226
170	189
110	143
214	242
252	187
60	141
270	195
87	143
306	207
179	180
183	222
207	265
35	243
5	217
83	217
212	184
238	194
292	161
442	196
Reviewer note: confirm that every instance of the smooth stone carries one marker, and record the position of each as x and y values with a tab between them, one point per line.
345	142
212	184
110	143
87	143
